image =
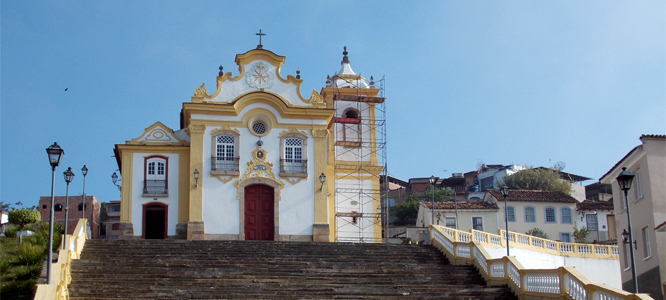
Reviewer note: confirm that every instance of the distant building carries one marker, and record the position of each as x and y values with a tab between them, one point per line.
75	211
478	215
552	212
113	218
647	201
597	217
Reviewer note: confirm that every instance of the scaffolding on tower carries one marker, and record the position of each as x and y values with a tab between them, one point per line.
360	164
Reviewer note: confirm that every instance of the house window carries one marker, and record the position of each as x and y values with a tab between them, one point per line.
451	222
115	226
550	215
477	223
638	187
113	208
627	256
80	206
224	159
44	206
391	202
566	215
511	213
487	183
565	237
293	144
530	214
58	207
592	222
155	176
647	252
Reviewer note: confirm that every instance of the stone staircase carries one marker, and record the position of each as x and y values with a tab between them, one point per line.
180	269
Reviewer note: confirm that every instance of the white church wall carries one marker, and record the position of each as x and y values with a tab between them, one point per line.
350	199
350	153
138	199
232	89
598	270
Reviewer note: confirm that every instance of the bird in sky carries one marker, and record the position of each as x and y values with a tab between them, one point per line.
66	89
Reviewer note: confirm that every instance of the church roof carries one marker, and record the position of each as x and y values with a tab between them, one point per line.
346	77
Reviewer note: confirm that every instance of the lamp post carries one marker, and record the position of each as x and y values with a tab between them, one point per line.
624	180
69	175
55	154
114	177
505	192
83	208
432	185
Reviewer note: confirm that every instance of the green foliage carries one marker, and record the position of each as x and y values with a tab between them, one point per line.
22	217
441	195
18	279
537	179
580	236
11	231
538	233
407	211
18	289
5	265
29	254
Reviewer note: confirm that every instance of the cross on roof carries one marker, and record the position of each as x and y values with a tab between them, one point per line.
260	46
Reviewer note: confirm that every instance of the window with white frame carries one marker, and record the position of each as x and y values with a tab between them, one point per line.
565	212
511	213
627	256
592	223
224	159
565	237
638	187
352	125
451	222
155	176
477	223
550	215
293	161
647	252
530	214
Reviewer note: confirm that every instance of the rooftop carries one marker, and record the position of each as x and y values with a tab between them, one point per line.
591	205
534	196
461	205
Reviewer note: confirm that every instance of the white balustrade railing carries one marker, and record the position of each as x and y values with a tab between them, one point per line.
497	269
523	240
575	288
561	283
495	240
542	282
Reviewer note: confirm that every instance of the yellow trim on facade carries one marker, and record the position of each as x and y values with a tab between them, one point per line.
183	192
375	205
320	190
373	133
126	191
176	140
332	220
293	130
196	163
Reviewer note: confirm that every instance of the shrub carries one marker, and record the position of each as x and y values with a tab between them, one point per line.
5	265
18	289
26	272
23	217
538	233
11	231
580	236
29	254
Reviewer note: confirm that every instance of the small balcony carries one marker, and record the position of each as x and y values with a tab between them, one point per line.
227	166
155	188
294	167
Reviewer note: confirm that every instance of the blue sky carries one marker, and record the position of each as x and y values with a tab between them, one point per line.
524	82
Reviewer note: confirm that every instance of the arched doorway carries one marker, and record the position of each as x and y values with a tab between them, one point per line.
155	216
259	212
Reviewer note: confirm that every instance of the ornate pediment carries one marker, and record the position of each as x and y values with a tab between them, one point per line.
158	134
258	167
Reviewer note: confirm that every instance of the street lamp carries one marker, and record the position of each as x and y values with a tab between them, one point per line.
55	154
83	208
322	179
114	177
624	180
432	184
505	192
69	176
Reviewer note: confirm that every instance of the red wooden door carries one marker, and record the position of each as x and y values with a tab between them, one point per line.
259	213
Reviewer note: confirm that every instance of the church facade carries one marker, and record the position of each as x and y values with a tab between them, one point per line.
256	160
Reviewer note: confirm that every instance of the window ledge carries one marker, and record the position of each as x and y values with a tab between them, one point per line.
348	144
627	269
303	175
225	173
644	259
156	195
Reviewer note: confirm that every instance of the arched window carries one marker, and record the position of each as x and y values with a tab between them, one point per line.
550	215
530	214
57	207
511	210
224	158
293	160
155	176
566	215
351	121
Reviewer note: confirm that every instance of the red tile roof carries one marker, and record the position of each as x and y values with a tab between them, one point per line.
591	205
461	205
533	196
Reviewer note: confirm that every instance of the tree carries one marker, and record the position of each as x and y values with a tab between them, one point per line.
441	195
22	217
407	211
580	236
538	233
537	179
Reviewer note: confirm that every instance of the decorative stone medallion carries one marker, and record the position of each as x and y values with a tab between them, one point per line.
259	76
